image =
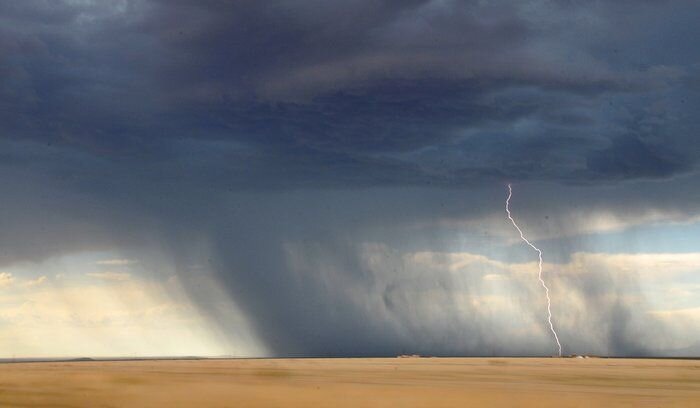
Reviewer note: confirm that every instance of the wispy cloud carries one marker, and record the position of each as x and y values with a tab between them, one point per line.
34	282
6	279
117	262
688	313
494	277
110	276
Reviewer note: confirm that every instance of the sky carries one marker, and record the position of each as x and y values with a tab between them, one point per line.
327	178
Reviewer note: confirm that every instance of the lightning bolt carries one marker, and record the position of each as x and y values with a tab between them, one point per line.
539	275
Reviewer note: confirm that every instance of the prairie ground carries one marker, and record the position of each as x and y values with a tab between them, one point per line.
376	382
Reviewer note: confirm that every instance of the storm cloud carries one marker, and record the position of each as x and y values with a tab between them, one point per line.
323	161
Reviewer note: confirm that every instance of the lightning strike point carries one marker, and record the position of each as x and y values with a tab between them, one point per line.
539	275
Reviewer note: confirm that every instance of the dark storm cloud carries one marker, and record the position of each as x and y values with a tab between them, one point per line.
239	126
364	82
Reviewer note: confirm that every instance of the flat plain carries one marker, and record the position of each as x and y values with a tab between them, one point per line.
355	382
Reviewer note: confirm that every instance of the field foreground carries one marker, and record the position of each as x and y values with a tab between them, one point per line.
387	382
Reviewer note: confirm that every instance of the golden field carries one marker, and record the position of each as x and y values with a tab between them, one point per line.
376	382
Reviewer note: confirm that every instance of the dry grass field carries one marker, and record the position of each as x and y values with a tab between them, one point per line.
390	382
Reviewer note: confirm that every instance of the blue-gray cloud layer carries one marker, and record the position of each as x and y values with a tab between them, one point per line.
131	122
365	93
